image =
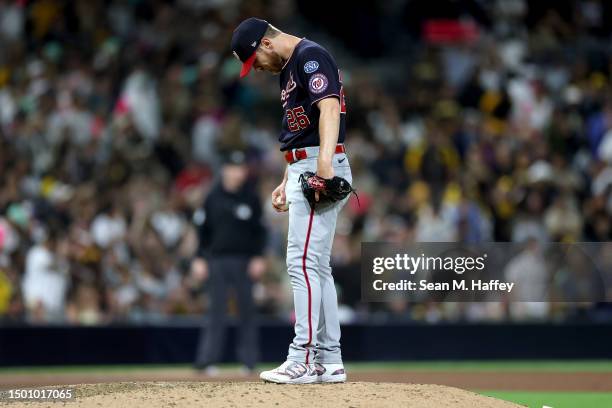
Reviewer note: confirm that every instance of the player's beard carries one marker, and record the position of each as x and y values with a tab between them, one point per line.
276	63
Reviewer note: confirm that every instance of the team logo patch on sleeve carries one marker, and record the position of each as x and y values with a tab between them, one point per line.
311	66
318	83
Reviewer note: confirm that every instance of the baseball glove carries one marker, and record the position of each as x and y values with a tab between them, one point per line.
330	190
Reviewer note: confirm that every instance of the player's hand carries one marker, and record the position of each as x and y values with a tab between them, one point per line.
199	270
257	267
326	172
279	199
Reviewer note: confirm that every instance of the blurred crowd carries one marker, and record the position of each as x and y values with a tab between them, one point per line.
114	116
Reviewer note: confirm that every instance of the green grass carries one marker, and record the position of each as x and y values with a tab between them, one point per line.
454	366
491	366
120	368
537	399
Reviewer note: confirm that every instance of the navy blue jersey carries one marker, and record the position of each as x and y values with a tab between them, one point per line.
308	76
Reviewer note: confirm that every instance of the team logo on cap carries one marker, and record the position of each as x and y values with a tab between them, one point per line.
318	83
311	66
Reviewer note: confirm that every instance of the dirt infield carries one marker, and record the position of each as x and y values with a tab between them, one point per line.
523	381
251	394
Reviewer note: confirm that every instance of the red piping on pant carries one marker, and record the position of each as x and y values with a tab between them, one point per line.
308	284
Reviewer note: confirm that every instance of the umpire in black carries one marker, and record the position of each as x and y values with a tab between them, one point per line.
232	239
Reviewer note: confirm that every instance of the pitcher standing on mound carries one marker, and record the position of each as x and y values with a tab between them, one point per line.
312	139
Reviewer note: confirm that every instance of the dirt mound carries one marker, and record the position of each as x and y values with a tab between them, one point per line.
250	394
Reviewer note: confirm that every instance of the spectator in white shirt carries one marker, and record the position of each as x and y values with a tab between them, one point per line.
45	283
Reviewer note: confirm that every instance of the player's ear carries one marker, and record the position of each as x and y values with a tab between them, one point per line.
266	43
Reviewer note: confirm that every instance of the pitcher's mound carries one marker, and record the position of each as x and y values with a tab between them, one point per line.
245	394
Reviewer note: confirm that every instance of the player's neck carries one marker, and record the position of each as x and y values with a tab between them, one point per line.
288	44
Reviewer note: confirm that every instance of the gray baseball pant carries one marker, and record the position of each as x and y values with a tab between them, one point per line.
310	239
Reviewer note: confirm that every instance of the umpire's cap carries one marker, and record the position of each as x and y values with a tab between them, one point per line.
245	41
234	157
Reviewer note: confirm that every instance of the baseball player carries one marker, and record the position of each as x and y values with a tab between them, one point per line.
312	139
